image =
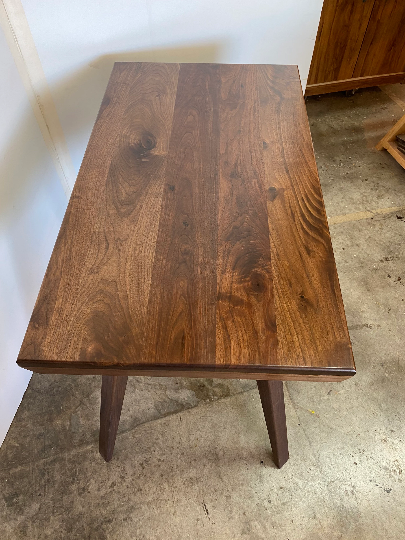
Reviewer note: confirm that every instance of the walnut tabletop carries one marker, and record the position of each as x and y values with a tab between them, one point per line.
195	241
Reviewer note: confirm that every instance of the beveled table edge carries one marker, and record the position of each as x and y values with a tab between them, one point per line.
285	373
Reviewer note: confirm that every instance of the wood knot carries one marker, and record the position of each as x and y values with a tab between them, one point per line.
257	283
304	302
272	193
148	141
141	149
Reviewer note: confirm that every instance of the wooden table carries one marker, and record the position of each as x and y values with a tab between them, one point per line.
195	243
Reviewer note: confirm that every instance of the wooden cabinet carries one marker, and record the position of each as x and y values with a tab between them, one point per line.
359	43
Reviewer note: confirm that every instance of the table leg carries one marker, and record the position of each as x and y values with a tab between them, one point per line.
272	398
112	397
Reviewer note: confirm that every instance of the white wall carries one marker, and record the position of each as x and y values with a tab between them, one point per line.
32	203
78	41
65	50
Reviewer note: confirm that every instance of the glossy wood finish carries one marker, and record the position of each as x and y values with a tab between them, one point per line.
354	83
383	50
340	35
359	44
112	398
328	375
272	398
196	237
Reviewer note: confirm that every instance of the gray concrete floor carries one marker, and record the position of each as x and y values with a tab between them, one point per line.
192	457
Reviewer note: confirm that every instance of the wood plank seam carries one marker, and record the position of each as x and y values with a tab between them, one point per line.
196	237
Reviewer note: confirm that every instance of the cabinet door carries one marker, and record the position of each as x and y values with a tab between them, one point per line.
383	49
340	35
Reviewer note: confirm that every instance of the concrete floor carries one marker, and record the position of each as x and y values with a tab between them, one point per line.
192	458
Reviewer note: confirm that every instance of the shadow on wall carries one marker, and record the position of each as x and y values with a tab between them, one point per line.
29	191
78	96
32	204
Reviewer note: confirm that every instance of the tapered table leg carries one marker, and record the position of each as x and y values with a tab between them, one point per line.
272	398
112	397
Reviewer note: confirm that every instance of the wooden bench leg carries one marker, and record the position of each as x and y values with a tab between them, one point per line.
272	398
112	397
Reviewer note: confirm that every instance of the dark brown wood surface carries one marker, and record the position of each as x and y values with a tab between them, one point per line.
354	83
272	398
359	44
383	49
340	35
112	398
196	238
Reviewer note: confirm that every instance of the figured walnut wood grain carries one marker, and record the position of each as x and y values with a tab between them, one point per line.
339	39
311	327
246	326
383	50
181	311
196	239
359	44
